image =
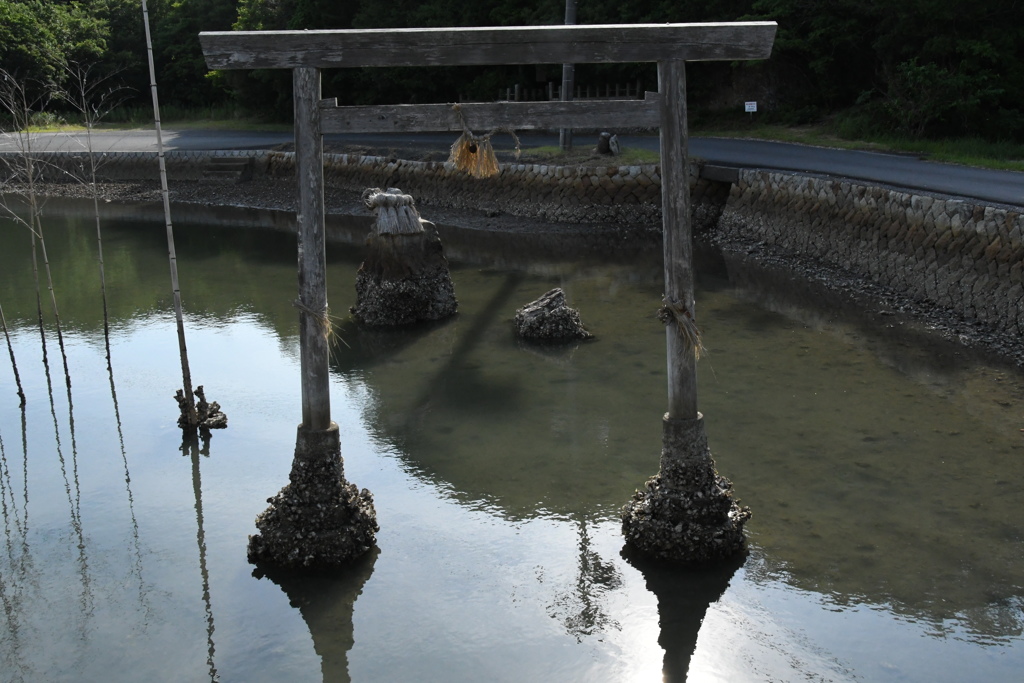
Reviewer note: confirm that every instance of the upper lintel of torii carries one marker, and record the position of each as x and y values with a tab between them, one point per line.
576	44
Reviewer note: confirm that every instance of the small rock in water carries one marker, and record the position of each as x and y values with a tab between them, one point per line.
550	319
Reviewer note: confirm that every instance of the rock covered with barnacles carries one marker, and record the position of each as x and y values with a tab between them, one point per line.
549	318
209	415
686	513
404	278
318	520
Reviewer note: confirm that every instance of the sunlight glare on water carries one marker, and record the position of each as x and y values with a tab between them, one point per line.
885	476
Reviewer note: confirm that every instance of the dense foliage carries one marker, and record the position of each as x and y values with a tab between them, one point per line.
918	67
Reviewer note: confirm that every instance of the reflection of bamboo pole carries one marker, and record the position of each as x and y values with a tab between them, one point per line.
10	350
76	520
128	485
5	489
186	374
197	489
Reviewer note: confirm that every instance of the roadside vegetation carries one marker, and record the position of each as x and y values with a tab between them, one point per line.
927	77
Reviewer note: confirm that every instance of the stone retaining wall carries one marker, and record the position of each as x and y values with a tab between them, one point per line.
572	194
954	253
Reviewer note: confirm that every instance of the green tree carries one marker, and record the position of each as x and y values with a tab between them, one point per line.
37	37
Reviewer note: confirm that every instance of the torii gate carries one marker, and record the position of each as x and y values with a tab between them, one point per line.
670	45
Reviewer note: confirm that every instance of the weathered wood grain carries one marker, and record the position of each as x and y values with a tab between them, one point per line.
614	43
408	118
314	349
678	238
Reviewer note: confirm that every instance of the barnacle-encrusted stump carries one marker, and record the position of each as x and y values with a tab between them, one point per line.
318	520
404	277
686	513
550	319
209	415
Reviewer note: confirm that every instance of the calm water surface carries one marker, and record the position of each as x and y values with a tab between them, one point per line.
886	477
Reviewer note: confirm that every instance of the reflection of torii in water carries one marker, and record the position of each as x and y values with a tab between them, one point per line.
326	604
686	463
581	609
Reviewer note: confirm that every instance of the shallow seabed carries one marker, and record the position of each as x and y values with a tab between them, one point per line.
886	478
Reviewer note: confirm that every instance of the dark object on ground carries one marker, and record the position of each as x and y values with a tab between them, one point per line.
550	319
404	278
607	144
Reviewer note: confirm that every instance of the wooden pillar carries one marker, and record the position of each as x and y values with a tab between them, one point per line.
313	322
678	238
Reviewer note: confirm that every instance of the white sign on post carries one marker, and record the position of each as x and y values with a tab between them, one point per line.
750	107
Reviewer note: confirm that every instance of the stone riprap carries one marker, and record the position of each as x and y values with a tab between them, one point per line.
958	255
571	194
559	193
953	253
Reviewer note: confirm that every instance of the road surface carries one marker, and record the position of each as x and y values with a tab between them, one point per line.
905	171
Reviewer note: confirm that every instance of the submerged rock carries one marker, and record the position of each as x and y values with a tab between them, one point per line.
318	520
686	513
550	319
404	278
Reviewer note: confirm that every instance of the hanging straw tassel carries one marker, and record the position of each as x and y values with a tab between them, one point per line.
474	154
672	310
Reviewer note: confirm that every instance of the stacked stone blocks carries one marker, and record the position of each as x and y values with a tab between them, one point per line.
956	254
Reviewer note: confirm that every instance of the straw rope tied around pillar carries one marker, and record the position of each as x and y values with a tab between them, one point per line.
673	310
322	318
473	153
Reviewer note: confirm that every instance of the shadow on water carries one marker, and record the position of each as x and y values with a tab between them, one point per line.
684	595
194	445
327	603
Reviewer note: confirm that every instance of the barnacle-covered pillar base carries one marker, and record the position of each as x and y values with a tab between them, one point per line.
318	521
404	278
686	513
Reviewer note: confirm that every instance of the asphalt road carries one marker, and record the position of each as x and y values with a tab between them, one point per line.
1004	187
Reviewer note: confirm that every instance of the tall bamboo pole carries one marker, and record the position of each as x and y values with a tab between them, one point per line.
14	99
186	374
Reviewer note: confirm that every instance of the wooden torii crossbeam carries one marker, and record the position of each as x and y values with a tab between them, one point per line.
670	45
306	52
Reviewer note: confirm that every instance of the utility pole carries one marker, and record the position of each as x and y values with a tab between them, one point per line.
568	80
